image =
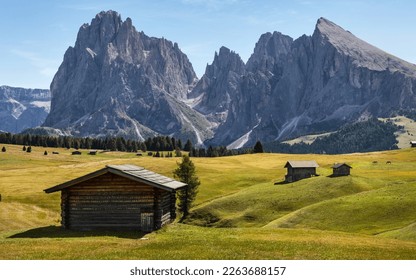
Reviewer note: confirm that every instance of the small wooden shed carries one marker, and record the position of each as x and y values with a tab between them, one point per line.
300	169
118	197
341	169
76	153
413	144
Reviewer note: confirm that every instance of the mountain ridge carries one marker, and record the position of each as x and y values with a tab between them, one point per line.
314	84
120	82
22	108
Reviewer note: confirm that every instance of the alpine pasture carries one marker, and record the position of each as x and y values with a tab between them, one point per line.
240	213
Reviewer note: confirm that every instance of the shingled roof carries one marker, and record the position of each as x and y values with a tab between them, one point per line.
132	172
301	164
338	165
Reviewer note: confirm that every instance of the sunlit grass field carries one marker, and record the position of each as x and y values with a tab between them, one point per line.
240	213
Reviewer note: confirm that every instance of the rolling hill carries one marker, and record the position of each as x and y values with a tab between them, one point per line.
239	213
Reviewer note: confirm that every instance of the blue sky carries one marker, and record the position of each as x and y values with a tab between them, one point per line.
36	34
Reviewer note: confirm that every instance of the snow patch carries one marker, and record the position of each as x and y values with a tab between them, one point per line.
18	108
197	133
192	102
240	142
136	128
46	105
289	126
146	54
91	52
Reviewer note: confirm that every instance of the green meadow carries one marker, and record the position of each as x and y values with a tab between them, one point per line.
240	213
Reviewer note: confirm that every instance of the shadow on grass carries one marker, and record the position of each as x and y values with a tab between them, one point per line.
58	232
281	183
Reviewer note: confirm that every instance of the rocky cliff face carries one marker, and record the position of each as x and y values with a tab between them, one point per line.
312	84
23	108
118	81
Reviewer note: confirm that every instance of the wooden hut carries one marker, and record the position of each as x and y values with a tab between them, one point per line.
300	169
92	152
413	144
76	153
118	197
341	169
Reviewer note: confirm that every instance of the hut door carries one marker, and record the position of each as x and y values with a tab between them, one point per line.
146	222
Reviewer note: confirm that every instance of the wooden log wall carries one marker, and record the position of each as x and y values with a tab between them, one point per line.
112	201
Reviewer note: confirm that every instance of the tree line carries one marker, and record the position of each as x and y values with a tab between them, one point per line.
366	136
157	144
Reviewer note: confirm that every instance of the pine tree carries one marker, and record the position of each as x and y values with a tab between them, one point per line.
258	147
45	153
186	173
188	146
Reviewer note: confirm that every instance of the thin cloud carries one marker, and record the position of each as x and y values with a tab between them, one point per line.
46	67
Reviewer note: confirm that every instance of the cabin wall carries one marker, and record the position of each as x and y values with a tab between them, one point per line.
341	171
295	174
112	201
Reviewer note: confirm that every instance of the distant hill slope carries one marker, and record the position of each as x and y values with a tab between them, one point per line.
376	198
22	108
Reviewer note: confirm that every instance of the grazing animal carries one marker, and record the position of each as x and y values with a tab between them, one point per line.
388	162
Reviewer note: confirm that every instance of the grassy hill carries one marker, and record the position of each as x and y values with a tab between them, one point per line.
239	213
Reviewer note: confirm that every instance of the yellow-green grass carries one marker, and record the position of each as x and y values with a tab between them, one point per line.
190	242
405	233
16	216
236	192
370	212
262	203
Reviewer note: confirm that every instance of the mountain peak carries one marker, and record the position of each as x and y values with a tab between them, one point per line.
106	20
227	58
103	15
365	54
328	28
118	81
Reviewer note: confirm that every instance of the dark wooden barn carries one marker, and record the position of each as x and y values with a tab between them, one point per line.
413	144
118	197
300	169
341	169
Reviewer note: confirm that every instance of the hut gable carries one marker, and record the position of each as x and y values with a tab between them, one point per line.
341	169
300	169
118	196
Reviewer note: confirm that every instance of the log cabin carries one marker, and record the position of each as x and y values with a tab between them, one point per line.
341	169
300	169
118	197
